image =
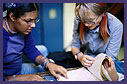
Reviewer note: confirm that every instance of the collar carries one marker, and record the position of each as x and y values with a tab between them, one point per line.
95	30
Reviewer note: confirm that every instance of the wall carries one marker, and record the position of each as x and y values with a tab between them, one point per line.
55	33
68	23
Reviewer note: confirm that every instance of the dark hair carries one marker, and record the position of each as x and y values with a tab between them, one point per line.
20	8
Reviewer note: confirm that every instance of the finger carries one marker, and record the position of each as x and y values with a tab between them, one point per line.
112	64
38	78
110	59
87	61
63	69
41	79
63	72
106	64
86	64
54	74
64	75
89	58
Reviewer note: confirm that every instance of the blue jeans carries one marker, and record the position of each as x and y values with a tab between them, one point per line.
119	66
29	68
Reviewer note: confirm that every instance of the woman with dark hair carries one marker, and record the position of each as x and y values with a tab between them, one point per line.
96	31
17	39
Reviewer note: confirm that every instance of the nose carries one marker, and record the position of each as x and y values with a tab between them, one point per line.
33	25
86	24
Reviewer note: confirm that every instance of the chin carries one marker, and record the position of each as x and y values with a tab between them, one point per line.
26	33
91	28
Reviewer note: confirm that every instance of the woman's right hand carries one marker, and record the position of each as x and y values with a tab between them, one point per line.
86	60
26	77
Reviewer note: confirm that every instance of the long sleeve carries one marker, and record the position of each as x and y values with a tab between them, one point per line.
115	40
76	37
30	51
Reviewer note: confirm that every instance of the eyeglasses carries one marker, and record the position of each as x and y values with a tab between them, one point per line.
93	22
88	22
30	22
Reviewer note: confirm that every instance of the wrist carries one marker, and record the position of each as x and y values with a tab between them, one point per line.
76	55
49	64
80	56
50	61
46	62
43	62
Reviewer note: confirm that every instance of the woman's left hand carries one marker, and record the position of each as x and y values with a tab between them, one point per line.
53	68
110	67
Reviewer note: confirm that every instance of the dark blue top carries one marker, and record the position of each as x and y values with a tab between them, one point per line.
13	47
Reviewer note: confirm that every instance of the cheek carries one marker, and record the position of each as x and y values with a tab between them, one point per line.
21	27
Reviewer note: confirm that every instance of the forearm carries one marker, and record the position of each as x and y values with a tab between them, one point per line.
37	60
25	77
76	50
16	78
41	60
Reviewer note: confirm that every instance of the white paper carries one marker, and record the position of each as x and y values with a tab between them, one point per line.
81	74
96	66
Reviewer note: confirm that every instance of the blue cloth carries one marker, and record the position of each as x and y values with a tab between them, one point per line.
50	78
13	47
29	68
119	66
43	50
94	42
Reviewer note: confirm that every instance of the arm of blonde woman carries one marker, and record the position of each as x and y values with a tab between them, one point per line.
85	60
26	77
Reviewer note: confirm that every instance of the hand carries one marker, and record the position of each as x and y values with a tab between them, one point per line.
110	67
86	60
27	77
53	68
